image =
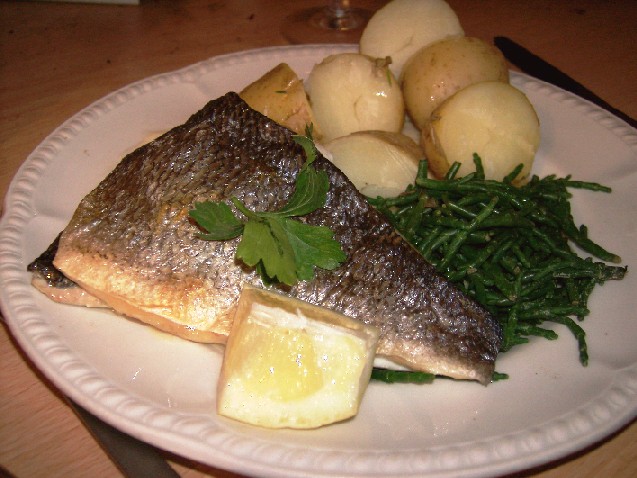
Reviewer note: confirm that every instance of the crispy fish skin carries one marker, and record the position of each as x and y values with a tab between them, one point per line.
130	243
56	286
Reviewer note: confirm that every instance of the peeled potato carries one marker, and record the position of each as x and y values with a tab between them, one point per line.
352	92
437	71
279	94
377	162
402	27
494	120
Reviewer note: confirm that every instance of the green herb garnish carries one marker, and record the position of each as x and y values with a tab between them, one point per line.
279	246
507	247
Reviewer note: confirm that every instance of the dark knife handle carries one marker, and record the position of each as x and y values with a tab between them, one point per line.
134	458
542	70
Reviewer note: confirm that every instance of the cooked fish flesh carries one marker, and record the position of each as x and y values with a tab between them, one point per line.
130	244
51	282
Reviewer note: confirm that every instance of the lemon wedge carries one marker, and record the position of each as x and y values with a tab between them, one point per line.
289	364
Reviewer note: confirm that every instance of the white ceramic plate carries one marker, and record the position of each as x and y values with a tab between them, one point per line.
162	389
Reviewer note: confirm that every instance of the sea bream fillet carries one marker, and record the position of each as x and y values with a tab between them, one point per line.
132	245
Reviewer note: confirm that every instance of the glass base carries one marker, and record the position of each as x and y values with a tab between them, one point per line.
323	25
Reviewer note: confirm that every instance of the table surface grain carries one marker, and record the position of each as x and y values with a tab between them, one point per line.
57	58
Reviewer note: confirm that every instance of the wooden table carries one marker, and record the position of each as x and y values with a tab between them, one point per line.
57	58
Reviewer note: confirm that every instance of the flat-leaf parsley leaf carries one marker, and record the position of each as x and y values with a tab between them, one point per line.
280	247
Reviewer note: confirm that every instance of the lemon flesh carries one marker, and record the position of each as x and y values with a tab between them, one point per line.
291	364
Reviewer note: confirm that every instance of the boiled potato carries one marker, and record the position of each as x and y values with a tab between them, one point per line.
402	27
494	120
279	94
437	71
377	162
352	92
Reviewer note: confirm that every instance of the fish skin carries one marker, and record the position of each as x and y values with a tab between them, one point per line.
54	284
43	268
130	243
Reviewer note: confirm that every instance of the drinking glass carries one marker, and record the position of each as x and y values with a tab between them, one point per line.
337	22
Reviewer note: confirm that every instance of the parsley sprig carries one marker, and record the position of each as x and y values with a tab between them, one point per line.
281	248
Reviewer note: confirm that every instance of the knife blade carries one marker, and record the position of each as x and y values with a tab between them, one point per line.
133	457
542	70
